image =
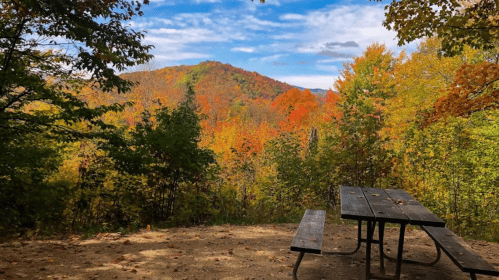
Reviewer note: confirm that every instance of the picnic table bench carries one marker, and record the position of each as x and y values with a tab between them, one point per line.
460	252
308	238
387	206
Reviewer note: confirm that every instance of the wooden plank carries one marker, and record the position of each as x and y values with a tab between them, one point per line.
383	207
417	213
459	251
354	204
308	238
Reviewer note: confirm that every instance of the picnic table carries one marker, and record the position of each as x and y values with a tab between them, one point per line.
383	206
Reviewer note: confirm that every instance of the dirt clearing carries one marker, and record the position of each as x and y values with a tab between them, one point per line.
219	252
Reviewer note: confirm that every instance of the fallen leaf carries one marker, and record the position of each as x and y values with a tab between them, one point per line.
126	242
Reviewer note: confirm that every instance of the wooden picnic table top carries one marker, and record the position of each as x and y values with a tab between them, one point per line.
385	205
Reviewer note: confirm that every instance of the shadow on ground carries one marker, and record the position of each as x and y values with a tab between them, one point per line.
219	252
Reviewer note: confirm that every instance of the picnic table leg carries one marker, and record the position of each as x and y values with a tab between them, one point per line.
381	236
473	276
297	264
369	237
400	251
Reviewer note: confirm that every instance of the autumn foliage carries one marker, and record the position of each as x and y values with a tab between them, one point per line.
474	89
262	151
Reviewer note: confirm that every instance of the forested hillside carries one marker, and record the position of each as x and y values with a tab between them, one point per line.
85	149
214	143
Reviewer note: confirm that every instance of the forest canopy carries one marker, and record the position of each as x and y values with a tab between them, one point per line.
86	149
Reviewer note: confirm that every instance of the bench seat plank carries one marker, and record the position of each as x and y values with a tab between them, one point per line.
417	213
308	238
460	252
383	207
354	204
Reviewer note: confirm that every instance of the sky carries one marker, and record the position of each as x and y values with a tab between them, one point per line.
303	43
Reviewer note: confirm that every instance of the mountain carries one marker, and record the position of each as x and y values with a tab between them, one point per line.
222	91
210	78
317	91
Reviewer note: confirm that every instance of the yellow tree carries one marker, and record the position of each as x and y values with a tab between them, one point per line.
420	81
457	23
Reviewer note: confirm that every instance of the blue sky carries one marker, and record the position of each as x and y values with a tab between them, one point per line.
303	43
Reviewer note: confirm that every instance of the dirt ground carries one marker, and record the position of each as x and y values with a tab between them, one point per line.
218	252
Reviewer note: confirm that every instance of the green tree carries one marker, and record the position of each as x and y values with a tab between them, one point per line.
166	153
455	23
285	192
364	87
48	50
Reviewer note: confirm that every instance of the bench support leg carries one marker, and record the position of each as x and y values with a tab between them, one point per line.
473	276
297	264
359	242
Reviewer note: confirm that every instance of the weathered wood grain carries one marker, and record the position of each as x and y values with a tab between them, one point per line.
417	213
308	237
383	208
354	205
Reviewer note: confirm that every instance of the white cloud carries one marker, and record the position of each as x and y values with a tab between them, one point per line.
361	24
253	23
307	34
243	49
150	22
195	19
292	17
180	56
268	58
336	59
309	81
187	35
163	2
285	36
